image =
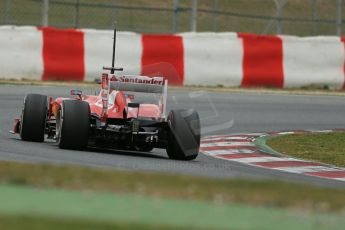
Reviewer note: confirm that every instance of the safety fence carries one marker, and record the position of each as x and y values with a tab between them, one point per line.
293	17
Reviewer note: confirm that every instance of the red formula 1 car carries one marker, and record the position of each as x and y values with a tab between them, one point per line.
114	118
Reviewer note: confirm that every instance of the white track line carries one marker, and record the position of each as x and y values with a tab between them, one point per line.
306	169
227	139
285	133
229	151
225	144
253	160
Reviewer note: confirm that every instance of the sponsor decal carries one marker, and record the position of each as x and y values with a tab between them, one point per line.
138	79
105	81
104	94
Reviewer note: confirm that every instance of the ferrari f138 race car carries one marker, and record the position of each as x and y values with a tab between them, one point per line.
113	119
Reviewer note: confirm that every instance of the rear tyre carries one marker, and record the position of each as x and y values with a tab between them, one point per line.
34	116
184	135
72	124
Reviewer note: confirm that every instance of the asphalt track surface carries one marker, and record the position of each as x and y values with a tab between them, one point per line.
220	113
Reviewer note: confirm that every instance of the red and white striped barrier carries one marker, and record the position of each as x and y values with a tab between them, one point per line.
229	59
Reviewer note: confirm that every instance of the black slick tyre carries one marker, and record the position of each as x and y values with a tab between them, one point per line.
72	124
184	134
33	119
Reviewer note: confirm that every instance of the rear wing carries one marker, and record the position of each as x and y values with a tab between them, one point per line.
131	83
141	84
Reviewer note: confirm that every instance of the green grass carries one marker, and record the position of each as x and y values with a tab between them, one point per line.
41	223
126	211
99	14
42	196
323	147
256	193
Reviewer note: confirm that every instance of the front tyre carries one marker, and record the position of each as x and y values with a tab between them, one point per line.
34	117
184	135
72	124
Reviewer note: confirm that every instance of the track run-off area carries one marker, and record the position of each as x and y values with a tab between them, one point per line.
220	113
251	149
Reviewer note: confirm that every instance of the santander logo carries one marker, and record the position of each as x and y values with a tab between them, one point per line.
138	79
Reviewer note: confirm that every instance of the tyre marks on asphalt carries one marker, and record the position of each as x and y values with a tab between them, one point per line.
242	148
